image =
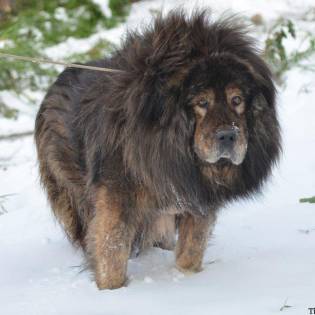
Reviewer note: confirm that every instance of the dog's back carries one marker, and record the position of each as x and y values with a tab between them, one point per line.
62	166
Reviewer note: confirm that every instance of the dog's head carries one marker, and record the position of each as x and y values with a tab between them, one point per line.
198	96
220	96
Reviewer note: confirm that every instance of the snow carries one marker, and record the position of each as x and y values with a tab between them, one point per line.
103	4
260	258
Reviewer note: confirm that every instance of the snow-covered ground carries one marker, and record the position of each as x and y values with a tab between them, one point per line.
262	255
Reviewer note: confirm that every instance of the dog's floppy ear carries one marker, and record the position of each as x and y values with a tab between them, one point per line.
266	90
262	76
265	93
259	104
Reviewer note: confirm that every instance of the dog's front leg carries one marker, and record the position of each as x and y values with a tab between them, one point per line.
108	241
193	233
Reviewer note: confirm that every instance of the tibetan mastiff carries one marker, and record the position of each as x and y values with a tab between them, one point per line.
147	154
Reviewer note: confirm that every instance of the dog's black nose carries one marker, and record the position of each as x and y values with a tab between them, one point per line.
226	137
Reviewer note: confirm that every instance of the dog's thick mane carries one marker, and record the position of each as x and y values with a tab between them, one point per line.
142	128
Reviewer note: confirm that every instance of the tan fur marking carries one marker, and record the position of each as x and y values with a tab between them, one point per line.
208	96
109	241
200	142
201	112
163	231
192	241
230	92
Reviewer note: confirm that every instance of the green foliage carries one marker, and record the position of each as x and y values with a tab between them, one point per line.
281	60
310	200
35	25
278	57
119	7
51	22
7	112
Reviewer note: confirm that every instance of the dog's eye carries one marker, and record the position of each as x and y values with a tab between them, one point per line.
203	104
236	100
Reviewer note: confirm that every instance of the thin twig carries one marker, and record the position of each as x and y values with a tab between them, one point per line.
285	305
14	136
6	196
61	63
3	198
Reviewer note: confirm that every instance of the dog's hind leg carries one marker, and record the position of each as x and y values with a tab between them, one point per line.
62	205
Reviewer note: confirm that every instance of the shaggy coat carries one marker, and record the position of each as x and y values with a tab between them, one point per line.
118	152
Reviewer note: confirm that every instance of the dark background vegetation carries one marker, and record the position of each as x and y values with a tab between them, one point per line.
28	27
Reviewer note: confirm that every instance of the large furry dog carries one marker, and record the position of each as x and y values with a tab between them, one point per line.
131	158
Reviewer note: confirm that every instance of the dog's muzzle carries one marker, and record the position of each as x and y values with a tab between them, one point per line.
228	144
226	139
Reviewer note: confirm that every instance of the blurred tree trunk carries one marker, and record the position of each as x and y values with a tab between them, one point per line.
5	6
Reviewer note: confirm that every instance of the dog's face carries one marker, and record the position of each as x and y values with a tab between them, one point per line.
220	107
220	131
194	115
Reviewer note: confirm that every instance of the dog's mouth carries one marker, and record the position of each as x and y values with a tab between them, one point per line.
227	157
224	148
223	159
224	162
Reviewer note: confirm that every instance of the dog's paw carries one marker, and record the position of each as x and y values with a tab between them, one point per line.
189	269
